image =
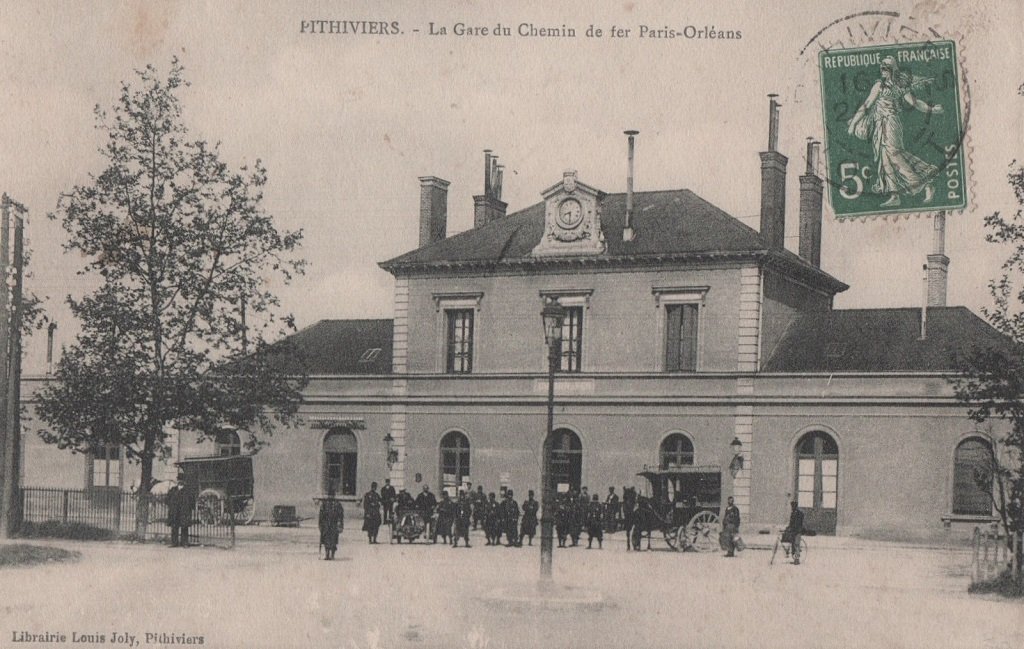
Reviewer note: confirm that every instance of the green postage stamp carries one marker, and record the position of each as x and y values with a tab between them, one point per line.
894	130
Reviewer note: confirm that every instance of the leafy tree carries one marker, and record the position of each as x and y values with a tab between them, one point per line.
991	381
177	333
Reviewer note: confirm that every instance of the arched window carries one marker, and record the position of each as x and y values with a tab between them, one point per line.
676	451
972	477
454	460
817	481
228	443
566	460
339	462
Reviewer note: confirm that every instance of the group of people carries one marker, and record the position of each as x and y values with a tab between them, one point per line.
451	519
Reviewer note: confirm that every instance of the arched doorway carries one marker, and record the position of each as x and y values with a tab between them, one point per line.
341	452
817	481
566	460
454	461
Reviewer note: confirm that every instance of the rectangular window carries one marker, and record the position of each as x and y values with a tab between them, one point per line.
572	340
681	337
106	467
459	341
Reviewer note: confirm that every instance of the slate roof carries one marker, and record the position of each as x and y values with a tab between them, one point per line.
343	347
669	225
881	340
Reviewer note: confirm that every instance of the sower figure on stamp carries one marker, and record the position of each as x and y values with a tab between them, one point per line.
793	533
897	171
332	521
463	512
371	513
528	527
730	527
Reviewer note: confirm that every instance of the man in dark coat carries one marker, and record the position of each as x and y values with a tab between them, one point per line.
577	512
479	502
528	527
425	504
463	512
332	521
445	517
492	520
730	527
611	510
562	519
794	531
595	523
387	501
510	520
371	513
179	512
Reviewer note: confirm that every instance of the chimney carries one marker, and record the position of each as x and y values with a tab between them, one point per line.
773	183
488	206
810	208
433	209
938	263
627	231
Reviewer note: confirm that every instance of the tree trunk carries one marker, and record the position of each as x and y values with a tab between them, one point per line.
145	483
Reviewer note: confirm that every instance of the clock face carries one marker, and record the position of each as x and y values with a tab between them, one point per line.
570	214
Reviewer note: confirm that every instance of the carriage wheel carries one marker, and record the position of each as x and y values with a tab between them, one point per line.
702	531
210	507
672	538
245	512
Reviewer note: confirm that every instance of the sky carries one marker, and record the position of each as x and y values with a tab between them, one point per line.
346	123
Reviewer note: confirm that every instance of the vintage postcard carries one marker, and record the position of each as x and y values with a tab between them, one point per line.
511	324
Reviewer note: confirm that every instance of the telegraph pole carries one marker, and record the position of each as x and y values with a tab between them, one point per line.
10	364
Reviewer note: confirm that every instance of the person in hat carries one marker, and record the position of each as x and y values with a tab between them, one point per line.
730	527
479	501
595	523
510	520
180	504
463	512
426	503
332	521
492	520
528	527
387	501
371	513
794	530
445	517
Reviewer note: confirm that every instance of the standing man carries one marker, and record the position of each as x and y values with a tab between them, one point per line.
731	527
180	503
387	501
463	512
426	503
371	513
529	524
332	521
492	520
611	510
479	502
595	523
794	531
510	520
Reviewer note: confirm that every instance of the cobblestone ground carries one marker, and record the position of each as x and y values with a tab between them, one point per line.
272	591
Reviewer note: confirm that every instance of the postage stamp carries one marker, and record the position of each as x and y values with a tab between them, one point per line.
894	129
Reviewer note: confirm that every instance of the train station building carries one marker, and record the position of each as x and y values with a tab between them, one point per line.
689	339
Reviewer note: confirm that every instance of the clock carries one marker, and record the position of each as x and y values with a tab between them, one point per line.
570	214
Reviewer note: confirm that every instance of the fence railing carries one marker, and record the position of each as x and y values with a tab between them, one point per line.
115	511
994	554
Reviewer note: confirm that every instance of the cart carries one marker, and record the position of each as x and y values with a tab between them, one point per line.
409	525
224	488
684	506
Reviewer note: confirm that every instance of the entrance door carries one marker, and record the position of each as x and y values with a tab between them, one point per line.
817	481
566	460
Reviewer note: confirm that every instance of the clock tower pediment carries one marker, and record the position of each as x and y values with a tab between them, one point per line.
572	220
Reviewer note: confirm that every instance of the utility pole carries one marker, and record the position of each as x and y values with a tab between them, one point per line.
10	504
5	477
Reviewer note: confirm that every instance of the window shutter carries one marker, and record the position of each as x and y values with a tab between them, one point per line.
673	316
688	338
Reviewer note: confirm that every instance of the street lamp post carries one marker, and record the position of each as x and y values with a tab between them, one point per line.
552	315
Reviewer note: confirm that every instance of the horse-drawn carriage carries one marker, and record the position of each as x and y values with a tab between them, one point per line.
684	506
224	488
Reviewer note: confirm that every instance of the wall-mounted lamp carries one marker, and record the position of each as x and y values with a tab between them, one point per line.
736	464
392	452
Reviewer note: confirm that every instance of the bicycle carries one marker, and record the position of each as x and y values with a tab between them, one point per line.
787	547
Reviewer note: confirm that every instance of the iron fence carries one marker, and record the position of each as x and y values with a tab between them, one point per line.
115	511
